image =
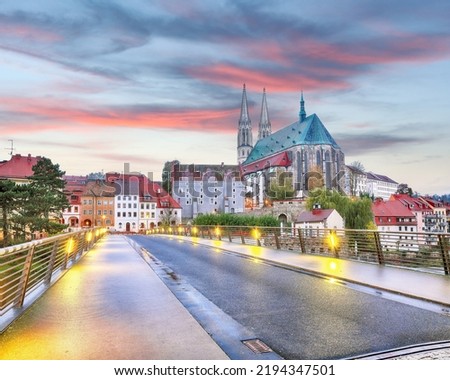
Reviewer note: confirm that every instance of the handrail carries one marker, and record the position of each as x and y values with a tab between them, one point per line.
24	268
424	251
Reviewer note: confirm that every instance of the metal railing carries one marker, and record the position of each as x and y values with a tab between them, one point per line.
428	252
25	268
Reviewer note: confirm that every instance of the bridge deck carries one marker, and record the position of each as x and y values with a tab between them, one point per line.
110	305
408	282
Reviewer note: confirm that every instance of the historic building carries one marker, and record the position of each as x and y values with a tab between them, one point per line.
305	150
141	204
206	188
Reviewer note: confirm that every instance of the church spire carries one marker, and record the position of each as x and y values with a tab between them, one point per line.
265	128
245	138
302	113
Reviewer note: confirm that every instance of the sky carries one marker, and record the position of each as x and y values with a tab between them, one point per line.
97	84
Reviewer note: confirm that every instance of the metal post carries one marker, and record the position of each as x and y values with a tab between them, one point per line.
444	253
242	236
277	239
51	263
302	241
379	248
25	277
229	235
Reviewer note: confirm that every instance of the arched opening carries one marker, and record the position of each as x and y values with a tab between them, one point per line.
87	223
128	227
73	222
282	218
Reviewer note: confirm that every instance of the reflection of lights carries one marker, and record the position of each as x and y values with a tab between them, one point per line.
255	250
333	265
332	280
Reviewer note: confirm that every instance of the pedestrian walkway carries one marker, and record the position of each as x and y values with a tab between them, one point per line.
110	305
407	282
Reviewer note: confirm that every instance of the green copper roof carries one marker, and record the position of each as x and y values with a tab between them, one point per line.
309	132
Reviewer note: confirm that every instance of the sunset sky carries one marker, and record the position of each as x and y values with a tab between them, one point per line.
94	84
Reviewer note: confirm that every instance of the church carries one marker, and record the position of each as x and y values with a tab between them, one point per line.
304	150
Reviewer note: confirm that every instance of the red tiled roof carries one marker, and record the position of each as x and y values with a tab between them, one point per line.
314	216
279	159
414	204
392	208
18	167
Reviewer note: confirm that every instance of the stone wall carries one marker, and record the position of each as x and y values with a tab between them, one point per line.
290	208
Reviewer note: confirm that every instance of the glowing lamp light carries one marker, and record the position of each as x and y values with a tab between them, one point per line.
333	240
256	234
180	230
217	231
194	230
69	246
89	236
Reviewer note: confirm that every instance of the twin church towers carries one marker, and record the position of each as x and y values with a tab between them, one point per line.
304	148
245	136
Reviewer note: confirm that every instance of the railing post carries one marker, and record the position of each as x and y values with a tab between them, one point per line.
242	236
444	253
301	240
277	239
229	235
51	263
25	277
378	248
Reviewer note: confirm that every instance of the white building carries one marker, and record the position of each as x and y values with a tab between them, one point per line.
355	181
319	219
207	189
380	186
141	204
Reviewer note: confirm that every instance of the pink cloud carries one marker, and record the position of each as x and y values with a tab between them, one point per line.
29	32
234	76
49	114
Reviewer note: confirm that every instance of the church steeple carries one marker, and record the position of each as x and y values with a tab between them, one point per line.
265	128
302	113
245	137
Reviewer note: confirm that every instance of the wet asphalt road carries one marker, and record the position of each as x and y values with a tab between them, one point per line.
299	316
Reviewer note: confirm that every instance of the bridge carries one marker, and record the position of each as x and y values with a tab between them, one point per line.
92	295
